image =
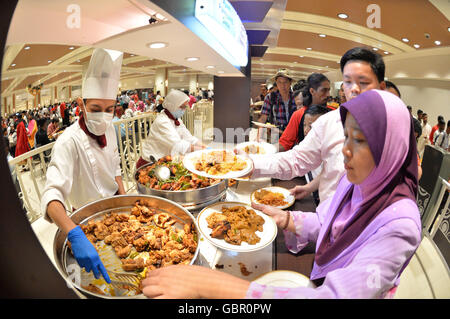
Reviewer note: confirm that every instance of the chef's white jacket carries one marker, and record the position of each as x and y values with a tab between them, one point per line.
165	138
80	171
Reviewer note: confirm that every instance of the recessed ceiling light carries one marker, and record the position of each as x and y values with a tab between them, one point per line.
342	16
71	48
416	46
131	54
221	72
190	59
157	45
49	61
375	49
322	35
295	61
27	48
210	67
385	52
308	49
405	40
448	29
301	56
437	42
13	64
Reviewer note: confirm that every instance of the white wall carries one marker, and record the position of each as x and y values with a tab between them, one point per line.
431	96
423	78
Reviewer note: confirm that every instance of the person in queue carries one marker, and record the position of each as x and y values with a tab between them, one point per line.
391	87
362	70
341	94
424	138
279	106
168	135
316	91
311	115
435	128
85	163
371	222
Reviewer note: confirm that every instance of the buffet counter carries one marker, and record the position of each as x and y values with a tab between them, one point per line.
249	265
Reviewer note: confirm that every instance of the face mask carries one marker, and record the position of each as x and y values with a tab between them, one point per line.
178	113
98	122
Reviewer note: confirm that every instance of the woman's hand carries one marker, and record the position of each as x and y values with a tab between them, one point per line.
278	215
188	281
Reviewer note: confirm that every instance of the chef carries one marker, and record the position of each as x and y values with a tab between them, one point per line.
85	160
168	134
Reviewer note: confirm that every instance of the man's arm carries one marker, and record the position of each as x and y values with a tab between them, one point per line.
119	182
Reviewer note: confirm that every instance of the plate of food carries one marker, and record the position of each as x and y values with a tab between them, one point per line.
214	163
236	226
275	196
258	148
285	279
266	125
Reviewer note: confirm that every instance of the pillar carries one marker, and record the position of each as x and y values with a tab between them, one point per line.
161	80
14	102
193	81
232	101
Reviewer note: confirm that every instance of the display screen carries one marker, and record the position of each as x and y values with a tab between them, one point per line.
222	21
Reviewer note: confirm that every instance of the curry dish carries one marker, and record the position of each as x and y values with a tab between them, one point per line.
145	239
235	225
180	178
219	163
270	198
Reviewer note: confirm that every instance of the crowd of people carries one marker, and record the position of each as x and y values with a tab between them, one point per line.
29	129
365	151
362	155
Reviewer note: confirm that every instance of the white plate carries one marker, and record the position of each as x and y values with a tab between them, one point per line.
267	235
264	125
285	279
266	147
288	197
191	159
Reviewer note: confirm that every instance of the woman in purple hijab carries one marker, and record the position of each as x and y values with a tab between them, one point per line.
369	230
365	234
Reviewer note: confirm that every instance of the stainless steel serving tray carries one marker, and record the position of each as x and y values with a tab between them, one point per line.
95	210
192	199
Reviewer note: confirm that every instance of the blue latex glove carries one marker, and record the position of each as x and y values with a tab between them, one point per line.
85	253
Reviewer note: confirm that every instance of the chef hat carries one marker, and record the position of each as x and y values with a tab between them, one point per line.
101	80
174	100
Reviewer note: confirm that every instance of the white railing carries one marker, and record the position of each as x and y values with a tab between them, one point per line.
30	168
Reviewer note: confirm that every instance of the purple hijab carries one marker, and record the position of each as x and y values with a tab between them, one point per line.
388	128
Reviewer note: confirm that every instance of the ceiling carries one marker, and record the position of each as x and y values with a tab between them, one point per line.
304	21
284	33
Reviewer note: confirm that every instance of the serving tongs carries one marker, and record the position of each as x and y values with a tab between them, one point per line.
121	280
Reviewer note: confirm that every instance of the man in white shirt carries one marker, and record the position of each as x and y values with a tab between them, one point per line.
424	138
85	164
362	70
441	138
